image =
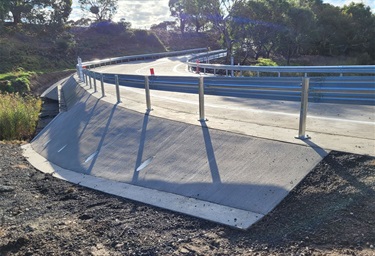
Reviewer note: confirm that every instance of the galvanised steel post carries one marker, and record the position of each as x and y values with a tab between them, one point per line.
90	79
87	82
94	77
148	97
201	99
102	85
303	113
117	89
80	73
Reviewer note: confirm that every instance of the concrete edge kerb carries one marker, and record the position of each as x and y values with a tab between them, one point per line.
209	211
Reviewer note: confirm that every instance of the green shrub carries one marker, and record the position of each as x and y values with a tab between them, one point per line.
17	81
265	62
18	116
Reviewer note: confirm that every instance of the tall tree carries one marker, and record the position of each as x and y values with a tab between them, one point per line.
221	13
177	9
331	25
4	9
101	9
298	35
196	11
50	11
254	29
360	35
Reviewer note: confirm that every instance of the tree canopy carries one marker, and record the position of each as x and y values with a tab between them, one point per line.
282	27
35	11
100	9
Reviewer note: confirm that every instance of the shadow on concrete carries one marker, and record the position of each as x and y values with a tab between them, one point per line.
320	151
89	116
104	141
210	153
102	138
142	141
245	196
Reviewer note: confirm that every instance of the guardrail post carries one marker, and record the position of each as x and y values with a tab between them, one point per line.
303	113
90	79
102	85
148	97
117	89
79	69
87	82
94	77
201	99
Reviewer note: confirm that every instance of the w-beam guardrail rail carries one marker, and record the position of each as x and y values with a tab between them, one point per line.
117	60
201	62
356	87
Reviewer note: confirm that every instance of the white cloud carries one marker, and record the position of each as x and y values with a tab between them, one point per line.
141	13
144	13
341	3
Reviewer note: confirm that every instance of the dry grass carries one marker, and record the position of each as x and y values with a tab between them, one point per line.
18	116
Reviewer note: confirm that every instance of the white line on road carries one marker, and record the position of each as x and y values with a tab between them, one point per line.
249	109
139	71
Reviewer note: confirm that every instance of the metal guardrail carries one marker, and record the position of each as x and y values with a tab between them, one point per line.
228	70
344	90
116	60
341	89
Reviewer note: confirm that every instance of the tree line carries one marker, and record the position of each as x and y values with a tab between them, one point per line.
47	12
261	28
249	28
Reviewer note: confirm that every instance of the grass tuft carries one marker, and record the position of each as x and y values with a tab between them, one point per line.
18	116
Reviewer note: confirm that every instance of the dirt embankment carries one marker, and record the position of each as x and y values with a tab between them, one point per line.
332	212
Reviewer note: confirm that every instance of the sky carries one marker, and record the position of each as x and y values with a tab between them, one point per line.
144	13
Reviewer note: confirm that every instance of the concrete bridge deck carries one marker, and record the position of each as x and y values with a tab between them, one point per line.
232	169
221	176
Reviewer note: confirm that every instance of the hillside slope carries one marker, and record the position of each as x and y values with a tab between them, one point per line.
45	51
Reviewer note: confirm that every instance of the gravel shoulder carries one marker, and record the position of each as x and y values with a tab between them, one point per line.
331	212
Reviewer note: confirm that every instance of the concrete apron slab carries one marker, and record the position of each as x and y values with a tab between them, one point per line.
215	175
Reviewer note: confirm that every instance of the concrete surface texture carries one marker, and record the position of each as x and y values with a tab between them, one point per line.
243	174
342	127
233	168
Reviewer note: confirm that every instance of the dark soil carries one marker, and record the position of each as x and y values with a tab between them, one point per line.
332	212
40	83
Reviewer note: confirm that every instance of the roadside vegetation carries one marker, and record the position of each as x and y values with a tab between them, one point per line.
18	116
17	81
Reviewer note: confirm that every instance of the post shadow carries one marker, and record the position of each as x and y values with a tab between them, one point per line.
142	141
321	152
214	169
89	117
97	152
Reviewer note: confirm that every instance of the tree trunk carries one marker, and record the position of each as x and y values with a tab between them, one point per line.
16	16
182	25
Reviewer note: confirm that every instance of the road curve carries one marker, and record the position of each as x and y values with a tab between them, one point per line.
349	128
